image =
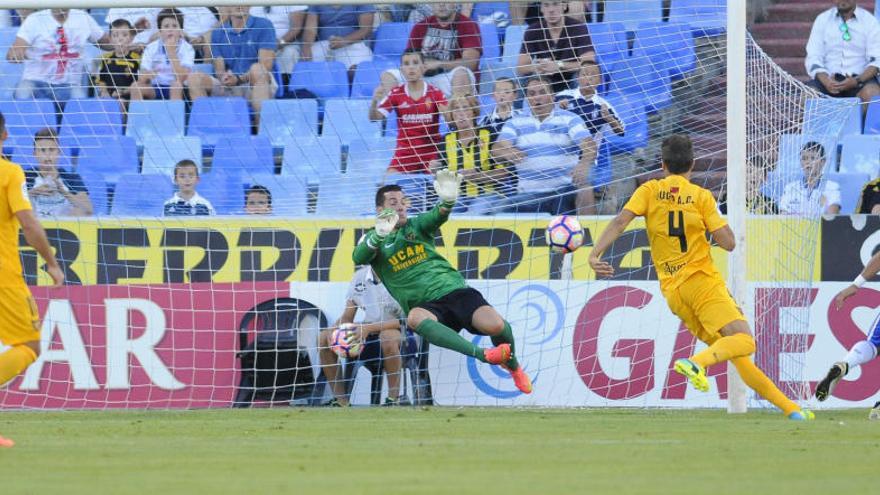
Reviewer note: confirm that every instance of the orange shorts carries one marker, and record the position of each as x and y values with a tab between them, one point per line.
19	318
704	304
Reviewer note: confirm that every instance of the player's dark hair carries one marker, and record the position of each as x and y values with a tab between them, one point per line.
45	133
183	164
258	189
169	13
412	51
380	194
678	154
122	24
814	146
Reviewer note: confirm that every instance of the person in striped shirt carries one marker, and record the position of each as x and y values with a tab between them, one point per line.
552	153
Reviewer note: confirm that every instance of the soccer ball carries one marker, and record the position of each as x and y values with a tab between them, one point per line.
564	234
344	343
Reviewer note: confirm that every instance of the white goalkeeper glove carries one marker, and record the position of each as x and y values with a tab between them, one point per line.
386	221
447	185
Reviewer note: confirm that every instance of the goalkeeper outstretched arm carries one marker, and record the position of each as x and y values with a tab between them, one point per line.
868	273
447	185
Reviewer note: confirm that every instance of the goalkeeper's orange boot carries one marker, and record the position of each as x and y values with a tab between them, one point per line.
520	379
498	355
5	442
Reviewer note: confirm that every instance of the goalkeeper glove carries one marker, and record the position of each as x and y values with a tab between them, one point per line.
447	185
386	221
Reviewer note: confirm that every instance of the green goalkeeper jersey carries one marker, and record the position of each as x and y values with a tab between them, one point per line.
408	263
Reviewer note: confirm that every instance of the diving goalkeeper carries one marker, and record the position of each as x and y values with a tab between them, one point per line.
435	297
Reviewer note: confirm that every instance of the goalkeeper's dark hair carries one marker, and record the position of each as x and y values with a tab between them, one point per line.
678	154
380	194
169	13
814	146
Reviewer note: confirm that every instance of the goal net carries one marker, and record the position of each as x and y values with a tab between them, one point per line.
204	175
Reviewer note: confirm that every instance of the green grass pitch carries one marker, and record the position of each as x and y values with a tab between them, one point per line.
438	450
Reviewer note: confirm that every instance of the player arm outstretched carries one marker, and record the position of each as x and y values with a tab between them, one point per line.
36	238
868	273
366	249
447	185
608	236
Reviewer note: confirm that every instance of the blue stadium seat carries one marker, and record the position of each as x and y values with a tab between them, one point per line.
705	17
243	154
610	43
391	39
160	155
90	118
224	189
419	188
7	38
490	40
283	120
632	112
644	79
213	117
671	43
10	75
788	165
155	118
289	194
486	9
872	117
323	79
96	184
513	39
822	116
109	157
850	190
313	158
345	197
366	76
141	195
860	155
369	158
99	15
25	117
349	120
633	12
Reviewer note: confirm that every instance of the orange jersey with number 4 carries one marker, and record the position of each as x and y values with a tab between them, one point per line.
677	216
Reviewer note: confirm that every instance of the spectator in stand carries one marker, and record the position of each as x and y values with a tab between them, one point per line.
338	33
199	22
289	21
869	201
52	43
810	195
243	52
451	47
142	19
119	67
380	330
467	150
258	200
504	93
555	47
552	154
167	62
186	201
418	106
53	191
756	201
403	12
843	52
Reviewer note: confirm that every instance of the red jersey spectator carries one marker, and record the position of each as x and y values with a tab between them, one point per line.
418	106
451	46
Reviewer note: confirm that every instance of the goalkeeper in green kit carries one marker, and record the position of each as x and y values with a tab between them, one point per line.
435	297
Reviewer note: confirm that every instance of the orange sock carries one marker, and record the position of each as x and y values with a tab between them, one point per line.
14	361
758	381
725	349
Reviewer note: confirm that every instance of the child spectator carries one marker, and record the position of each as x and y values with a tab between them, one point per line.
598	115
810	195
118	68
258	200
186	201
167	62
504	94
52	190
418	106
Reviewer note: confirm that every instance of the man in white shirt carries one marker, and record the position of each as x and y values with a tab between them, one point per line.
843	52
809	195
52	45
380	329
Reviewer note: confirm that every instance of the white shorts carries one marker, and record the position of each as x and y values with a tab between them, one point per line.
349	55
